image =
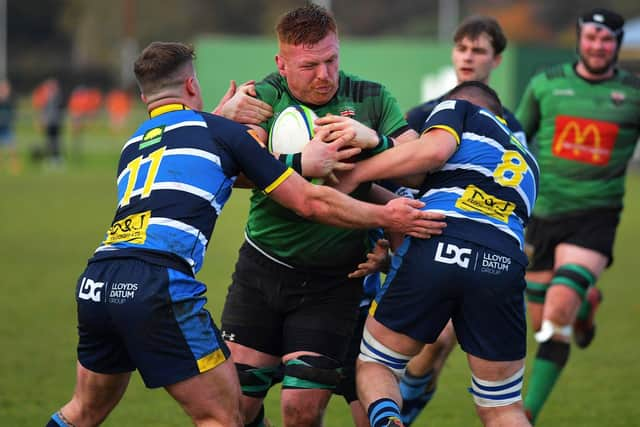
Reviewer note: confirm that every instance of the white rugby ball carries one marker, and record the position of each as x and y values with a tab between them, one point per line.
292	130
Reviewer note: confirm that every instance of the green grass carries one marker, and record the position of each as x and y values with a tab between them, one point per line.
51	220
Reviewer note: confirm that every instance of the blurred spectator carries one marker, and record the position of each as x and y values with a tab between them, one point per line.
118	104
84	103
8	155
48	101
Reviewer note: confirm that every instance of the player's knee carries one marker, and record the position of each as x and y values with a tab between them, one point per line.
308	372
302	413
492	394
311	372
255	382
372	350
575	277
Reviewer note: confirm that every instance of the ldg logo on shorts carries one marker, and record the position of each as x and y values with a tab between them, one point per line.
453	255
90	290
228	336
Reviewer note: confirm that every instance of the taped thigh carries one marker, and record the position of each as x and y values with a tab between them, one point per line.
497	393
536	291
372	350
312	372
255	382
574	276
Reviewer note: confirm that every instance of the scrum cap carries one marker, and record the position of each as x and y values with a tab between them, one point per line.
605	19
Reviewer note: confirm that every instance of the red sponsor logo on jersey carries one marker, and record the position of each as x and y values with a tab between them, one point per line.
584	140
348	112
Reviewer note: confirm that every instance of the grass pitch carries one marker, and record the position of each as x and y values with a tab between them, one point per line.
52	219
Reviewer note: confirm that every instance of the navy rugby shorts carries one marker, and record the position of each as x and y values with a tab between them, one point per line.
136	315
480	289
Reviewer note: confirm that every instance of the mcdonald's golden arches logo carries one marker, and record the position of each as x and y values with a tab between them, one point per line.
584	140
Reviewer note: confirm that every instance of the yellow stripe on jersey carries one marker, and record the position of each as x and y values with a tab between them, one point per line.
372	309
210	361
167	108
445	128
278	181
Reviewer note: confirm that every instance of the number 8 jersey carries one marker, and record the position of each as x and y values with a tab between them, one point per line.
174	176
489	184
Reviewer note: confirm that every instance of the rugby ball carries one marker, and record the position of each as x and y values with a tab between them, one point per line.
292	130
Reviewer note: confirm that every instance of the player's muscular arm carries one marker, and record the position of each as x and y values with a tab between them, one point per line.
324	204
411	181
420	156
406	136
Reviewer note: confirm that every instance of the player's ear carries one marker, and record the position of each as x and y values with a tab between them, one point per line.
281	66
143	98
497	60
191	85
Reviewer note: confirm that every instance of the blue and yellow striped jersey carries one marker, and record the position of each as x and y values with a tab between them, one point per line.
489	184
417	117
174	176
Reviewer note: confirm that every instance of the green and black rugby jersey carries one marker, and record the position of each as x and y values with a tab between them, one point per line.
583	134
293	240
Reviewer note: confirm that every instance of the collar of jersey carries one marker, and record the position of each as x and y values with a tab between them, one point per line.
166	109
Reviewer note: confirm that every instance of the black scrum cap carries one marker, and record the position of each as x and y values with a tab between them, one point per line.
604	18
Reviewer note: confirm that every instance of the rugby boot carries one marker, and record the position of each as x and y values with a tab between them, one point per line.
394	422
584	330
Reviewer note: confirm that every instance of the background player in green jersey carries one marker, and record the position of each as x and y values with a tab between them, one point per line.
583	121
291	300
